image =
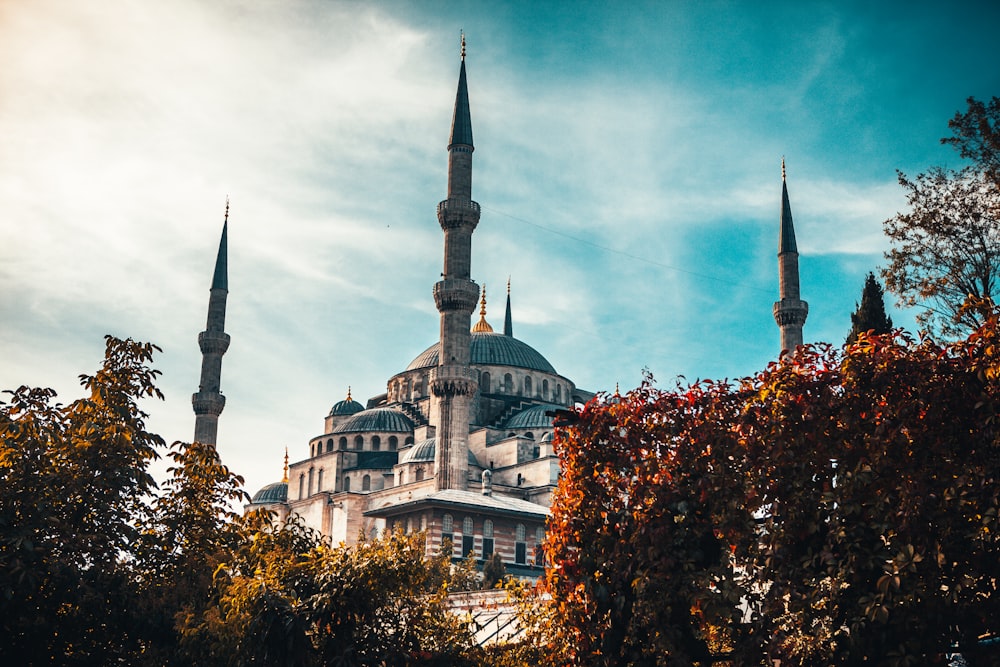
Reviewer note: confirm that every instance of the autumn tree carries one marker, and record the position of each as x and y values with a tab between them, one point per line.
870	315
946	246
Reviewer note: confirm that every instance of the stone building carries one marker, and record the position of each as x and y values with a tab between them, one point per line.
460	444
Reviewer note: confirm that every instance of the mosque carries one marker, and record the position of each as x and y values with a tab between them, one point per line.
460	444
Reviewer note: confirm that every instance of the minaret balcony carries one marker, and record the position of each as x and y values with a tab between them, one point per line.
456	295
458	213
208	403
790	311
453	380
213	342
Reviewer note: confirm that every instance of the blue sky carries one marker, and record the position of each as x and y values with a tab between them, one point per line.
627	162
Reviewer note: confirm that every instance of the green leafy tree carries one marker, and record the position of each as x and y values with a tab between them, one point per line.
870	315
946	246
72	480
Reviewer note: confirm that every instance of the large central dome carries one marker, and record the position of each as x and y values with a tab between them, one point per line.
491	349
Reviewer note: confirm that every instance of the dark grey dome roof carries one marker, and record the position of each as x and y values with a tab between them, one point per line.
272	493
491	349
533	417
376	419
346	407
423	452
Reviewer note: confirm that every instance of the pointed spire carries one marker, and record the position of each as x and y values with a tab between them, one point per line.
786	242
284	478
482	326
220	280
349	393
508	329
461	121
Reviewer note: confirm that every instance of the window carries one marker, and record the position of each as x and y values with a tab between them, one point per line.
558	393
545	389
423	522
484	383
319	481
487	538
520	548
409	525
329	445
302	486
347	485
310	481
409	440
366	483
539	538
468	539
527	385
446	529
393	443
376	443
420	474
530	435
508	383
359	442
402	477
343	442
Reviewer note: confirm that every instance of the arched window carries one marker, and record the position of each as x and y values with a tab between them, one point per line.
423	522
409	441
319	481
359	442
539	534
343	442
409	525
393	443
530	435
527	385
520	547
508	383
558	393
468	539
376	443
329	445
347	484
545	389
402	477
302	486
467	526
366	483
310	481
487	538
420	474
446	529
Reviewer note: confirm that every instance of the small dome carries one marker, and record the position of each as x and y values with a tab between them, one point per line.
270	494
346	407
533	417
376	419
490	349
423	452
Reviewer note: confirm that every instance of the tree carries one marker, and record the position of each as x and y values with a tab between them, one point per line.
838	507
72	480
870	314
946	248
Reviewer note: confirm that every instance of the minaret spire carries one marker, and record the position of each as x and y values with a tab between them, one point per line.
790	311
508	329
453	383
209	402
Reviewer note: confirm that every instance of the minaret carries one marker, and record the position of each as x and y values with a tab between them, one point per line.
214	341
791	311
508	329
453	383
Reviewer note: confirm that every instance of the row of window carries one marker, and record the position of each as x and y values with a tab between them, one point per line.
469	539
526	388
375	444
306	482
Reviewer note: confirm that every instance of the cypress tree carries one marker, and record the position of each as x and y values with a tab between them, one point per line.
870	315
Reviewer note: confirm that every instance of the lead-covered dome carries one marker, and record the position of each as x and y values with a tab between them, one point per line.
533	417
270	494
376	419
346	407
423	452
490	349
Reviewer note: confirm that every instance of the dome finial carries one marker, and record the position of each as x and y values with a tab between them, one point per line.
349	393
284	477
482	326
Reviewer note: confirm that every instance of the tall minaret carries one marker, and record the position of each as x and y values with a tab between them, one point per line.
791	311
453	382
508	329
214	341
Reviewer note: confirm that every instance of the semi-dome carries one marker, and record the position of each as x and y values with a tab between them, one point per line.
491	349
272	493
346	407
423	452
376	419
533	417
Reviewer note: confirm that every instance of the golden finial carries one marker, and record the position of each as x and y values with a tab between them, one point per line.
349	393
227	210
463	45
285	477
782	167
617	393
482	326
